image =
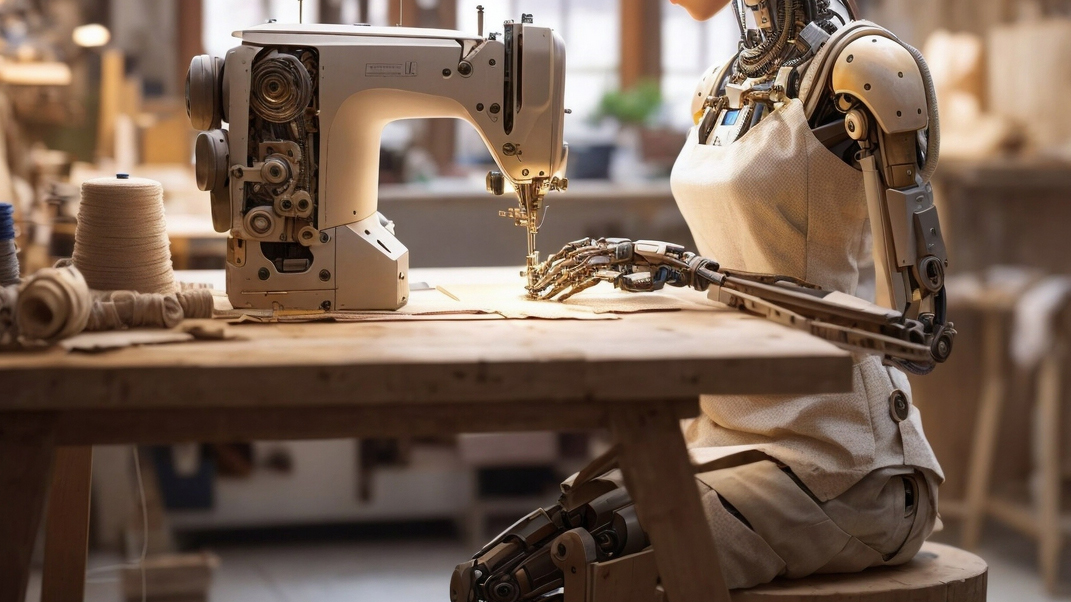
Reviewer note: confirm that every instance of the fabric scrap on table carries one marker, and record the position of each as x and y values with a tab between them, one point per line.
93	342
489	302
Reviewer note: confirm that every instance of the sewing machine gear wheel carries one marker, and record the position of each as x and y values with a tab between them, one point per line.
281	88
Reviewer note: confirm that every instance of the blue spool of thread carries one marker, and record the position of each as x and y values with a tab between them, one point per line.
7	222
9	261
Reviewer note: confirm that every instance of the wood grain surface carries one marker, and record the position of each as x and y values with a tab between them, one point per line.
939	573
314	380
662	355
67	525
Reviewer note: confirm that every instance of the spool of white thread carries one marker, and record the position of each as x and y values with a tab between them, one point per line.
121	240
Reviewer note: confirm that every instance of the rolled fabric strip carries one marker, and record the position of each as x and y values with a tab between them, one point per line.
52	305
116	310
56	303
8	333
196	303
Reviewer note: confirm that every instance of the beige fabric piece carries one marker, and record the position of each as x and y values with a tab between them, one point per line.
830	441
776	202
788	533
91	342
9	296
491	301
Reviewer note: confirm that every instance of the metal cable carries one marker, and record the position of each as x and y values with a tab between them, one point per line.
756	62
933	136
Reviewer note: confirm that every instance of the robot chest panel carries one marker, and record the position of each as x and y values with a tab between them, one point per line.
729	124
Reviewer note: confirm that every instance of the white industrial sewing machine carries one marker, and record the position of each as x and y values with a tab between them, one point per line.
295	177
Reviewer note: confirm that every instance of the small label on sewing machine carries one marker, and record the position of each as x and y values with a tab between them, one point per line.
407	69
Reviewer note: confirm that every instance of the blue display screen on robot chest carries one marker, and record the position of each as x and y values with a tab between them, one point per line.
731	117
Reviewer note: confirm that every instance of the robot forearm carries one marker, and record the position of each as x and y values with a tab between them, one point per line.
644	266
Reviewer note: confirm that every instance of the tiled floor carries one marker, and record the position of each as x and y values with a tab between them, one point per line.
327	572
414	571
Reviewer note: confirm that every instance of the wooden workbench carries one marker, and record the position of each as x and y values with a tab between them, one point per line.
637	376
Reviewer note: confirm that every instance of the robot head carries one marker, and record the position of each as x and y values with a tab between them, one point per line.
770	14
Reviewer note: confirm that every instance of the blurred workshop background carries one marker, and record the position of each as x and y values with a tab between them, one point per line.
95	87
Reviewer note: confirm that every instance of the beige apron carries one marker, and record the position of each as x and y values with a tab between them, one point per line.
777	202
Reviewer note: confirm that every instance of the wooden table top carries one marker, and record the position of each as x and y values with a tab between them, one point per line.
640	357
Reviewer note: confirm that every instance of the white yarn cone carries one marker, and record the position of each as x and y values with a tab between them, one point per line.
121	240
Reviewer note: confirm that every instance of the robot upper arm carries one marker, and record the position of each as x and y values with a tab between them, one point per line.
884	89
885	77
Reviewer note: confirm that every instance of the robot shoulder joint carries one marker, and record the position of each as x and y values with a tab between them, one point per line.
883	75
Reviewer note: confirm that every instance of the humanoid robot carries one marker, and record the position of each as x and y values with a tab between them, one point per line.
813	99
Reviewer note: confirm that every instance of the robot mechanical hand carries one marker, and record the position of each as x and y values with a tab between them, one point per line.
637	267
915	346
526	562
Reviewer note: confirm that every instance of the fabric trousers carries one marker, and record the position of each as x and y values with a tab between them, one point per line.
767	524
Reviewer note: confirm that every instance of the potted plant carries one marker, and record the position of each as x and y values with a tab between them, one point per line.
635	110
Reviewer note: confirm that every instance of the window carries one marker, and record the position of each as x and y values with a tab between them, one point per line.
591	30
223	17
689	48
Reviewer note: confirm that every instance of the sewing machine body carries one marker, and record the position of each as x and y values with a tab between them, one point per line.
295	178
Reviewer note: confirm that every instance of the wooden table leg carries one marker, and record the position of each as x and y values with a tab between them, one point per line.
658	473
1048	503
986	430
25	466
67	526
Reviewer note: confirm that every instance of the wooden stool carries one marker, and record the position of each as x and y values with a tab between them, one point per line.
938	573
1034	513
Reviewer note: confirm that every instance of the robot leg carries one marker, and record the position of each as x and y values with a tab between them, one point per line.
591	536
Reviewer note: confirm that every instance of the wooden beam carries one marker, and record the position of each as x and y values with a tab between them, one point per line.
330	11
220	425
190	27
641	42
25	467
67	526
440	135
410	13
112	76
659	475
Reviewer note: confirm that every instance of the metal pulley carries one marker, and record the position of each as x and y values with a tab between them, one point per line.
204	92
262	223
211	155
